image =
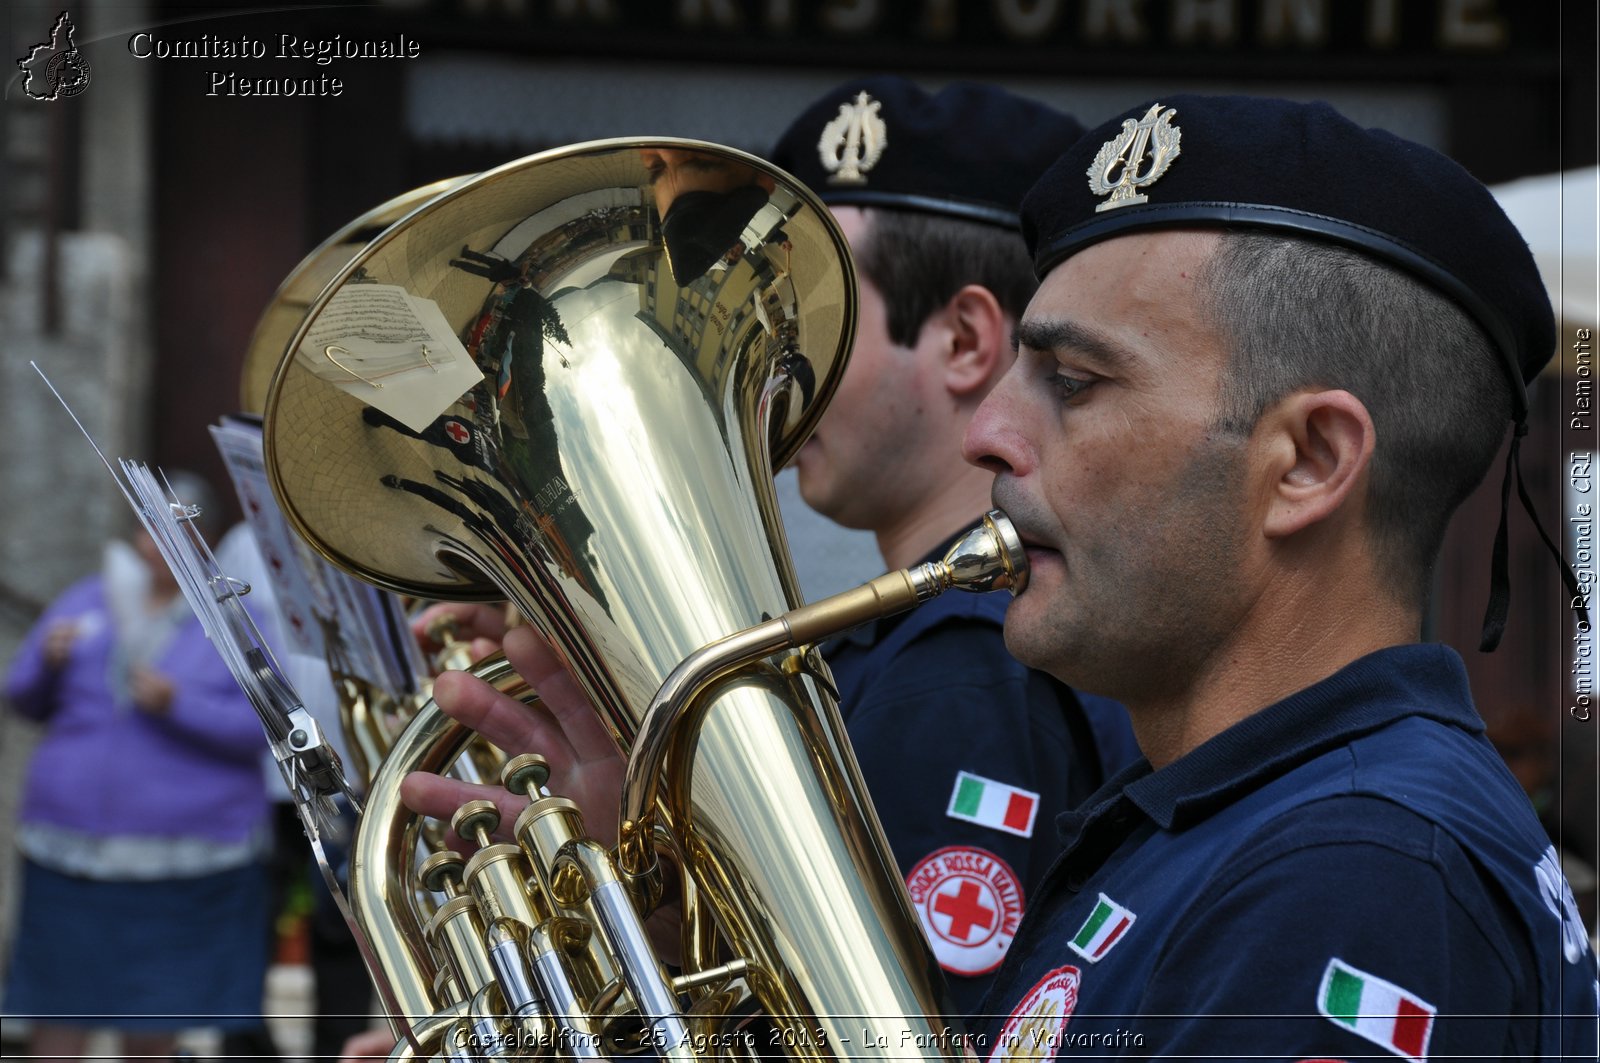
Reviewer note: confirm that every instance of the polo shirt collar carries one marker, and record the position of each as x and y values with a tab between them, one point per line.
1425	680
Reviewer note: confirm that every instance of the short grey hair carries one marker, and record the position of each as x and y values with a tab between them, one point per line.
1301	314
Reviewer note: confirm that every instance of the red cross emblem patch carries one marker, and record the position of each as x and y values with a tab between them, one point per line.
969	902
1038	1024
458	431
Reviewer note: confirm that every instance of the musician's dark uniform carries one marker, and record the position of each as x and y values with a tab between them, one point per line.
1358	849
932	694
1351	872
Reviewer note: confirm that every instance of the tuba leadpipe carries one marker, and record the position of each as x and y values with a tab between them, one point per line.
566	383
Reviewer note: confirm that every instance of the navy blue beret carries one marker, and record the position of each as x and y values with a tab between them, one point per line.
1302	169
970	151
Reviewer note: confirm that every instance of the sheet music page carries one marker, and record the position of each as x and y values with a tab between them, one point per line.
313	598
390	349
298	599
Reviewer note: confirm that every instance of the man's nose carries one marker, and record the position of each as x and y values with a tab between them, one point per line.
994	438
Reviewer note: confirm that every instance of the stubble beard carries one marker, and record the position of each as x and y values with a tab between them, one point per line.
1151	598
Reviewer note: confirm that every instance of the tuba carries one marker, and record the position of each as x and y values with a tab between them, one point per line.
566	382
372	711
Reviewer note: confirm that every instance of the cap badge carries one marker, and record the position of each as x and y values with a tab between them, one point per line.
1127	150
852	143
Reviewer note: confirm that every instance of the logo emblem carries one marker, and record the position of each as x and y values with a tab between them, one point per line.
853	142
1377	1010
969	903
1127	150
1557	895
55	69
1103	929
1034	1030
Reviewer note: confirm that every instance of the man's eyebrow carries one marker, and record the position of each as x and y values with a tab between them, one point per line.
1050	336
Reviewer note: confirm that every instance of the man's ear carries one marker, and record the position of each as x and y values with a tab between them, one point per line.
978	338
1319	445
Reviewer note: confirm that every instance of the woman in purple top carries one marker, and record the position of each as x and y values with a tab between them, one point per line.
143	821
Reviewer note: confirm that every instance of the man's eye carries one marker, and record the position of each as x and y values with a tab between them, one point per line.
1068	387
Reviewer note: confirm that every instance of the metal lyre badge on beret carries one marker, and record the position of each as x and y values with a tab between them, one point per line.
853	142
1127	149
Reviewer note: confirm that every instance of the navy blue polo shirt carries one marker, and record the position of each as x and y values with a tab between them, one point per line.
969	757
1351	872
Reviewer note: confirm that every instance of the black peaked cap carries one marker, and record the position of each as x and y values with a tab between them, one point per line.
970	151
1302	168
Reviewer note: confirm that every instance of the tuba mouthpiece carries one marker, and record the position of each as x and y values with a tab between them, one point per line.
990	557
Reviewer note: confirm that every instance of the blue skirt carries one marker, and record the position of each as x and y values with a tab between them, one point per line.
162	955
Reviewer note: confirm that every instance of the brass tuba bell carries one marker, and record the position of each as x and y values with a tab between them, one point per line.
567	382
288	306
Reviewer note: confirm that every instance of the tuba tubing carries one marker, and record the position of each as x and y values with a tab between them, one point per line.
988	558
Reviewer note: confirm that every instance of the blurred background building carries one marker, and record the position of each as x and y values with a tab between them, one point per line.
149	217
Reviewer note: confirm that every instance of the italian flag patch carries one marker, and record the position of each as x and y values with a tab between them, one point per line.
1380	1011
993	804
1103	929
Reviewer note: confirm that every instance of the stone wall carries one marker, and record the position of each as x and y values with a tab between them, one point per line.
58	505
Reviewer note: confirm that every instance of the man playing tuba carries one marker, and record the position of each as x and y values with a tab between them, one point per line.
1247	400
931	215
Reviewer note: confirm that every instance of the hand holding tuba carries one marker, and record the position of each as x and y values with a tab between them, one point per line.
561	725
